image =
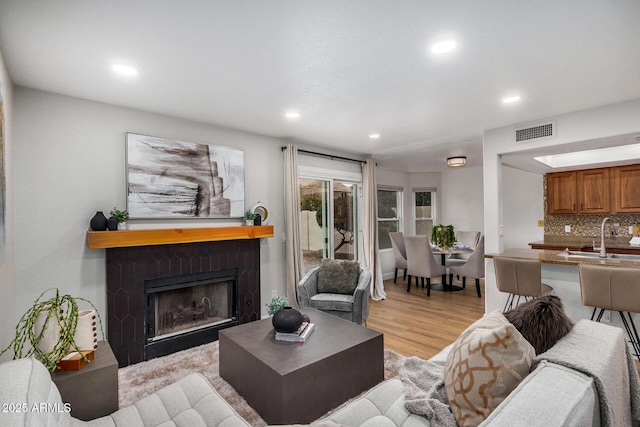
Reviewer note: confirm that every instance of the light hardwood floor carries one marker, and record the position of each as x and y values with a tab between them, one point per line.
414	325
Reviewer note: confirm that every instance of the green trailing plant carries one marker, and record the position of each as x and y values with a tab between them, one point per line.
443	236
60	309
276	304
250	216
121	216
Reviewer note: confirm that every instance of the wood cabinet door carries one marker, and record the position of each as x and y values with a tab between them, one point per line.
627	185
561	193
594	191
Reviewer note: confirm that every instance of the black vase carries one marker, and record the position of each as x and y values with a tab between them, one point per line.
287	319
112	223
257	220
98	222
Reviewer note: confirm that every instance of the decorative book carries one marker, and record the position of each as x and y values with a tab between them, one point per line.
300	335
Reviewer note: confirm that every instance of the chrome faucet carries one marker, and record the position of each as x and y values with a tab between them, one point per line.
602	249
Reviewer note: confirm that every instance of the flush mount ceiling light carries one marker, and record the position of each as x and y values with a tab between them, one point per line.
443	46
457	161
292	115
123	69
510	99
374	136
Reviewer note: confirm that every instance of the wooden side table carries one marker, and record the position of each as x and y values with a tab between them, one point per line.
91	391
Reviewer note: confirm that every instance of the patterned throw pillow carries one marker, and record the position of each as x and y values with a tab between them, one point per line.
338	277
541	321
487	361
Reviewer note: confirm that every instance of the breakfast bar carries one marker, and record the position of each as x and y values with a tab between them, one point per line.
560	271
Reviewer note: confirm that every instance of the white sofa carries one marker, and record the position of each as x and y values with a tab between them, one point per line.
552	395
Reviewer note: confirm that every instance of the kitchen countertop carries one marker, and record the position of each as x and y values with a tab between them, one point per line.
612	244
559	257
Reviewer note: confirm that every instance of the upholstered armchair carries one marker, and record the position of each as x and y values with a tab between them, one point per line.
340	288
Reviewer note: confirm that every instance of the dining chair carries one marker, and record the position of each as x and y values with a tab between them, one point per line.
420	262
400	253
473	267
469	239
521	277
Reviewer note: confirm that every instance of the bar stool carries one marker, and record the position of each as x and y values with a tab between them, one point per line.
521	277
612	288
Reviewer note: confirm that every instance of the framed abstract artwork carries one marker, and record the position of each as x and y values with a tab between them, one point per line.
176	179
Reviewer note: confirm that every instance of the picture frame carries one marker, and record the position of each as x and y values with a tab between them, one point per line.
168	178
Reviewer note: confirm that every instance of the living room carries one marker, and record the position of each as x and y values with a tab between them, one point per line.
64	159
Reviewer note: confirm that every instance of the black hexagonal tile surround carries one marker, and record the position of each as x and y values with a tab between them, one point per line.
129	268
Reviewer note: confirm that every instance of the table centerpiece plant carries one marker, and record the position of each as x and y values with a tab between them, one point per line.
48	330
121	216
443	236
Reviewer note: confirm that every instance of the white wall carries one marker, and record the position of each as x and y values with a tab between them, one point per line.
69	158
8	318
463	198
522	204
572	128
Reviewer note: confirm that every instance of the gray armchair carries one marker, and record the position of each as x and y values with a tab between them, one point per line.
349	300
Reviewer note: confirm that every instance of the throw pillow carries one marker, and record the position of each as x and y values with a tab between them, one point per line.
487	361
541	321
338	277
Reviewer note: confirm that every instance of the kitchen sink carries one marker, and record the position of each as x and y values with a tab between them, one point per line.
596	255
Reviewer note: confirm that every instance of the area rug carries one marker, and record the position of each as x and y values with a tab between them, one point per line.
142	379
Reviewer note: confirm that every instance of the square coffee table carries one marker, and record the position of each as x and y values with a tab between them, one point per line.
289	383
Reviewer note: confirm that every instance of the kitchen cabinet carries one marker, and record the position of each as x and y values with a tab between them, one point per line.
579	192
561	193
594	191
626	181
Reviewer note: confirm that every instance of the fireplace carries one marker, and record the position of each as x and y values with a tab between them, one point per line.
137	277
184	311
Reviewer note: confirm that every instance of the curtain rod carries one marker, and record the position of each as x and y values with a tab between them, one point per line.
332	157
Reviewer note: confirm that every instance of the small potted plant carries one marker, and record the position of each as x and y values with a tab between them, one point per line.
50	328
443	236
276	304
121	217
249	216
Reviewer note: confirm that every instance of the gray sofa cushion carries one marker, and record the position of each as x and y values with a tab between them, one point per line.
338	277
332	302
552	395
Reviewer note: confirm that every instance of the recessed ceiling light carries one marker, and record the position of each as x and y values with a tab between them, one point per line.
374	136
443	46
292	115
510	99
124	69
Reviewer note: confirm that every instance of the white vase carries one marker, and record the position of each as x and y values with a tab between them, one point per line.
51	334
86	337
123	226
249	222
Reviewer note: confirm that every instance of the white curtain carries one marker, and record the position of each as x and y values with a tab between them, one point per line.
294	268
370	202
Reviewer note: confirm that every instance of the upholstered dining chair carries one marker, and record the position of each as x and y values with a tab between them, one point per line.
420	261
472	268
400	253
519	277
469	239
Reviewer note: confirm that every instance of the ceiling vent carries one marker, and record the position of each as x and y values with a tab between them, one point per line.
545	130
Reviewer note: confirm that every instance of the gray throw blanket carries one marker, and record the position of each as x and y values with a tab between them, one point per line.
601	352
424	391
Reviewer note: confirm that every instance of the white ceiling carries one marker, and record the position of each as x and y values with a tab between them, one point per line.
350	68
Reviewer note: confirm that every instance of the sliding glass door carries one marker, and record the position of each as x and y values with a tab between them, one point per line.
328	219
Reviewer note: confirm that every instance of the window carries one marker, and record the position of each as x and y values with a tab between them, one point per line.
328	215
424	202
389	214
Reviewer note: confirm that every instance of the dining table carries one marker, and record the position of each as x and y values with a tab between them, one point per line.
444	252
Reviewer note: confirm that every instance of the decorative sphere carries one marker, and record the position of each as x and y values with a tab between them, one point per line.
287	319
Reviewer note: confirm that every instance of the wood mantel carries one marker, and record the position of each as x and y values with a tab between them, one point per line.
167	236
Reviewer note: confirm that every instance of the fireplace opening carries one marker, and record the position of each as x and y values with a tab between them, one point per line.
188	310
